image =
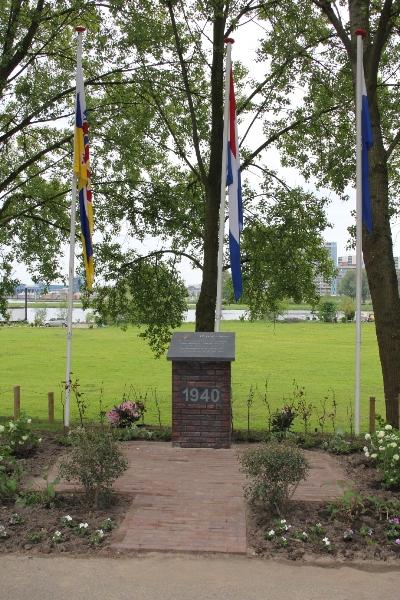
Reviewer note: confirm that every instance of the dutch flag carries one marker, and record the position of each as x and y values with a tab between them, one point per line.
235	195
366	143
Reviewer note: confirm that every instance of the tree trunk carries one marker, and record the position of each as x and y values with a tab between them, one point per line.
381	272
377	246
205	309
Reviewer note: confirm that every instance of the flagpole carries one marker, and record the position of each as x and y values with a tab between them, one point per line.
71	271
218	310
360	33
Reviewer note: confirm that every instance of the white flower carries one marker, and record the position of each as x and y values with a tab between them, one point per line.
283	539
318	525
2	428
396	457
326	541
283	521
394	445
365	448
374	455
367	454
83	525
271	532
57	533
68	518
381	448
381	434
39	440
100	533
24	437
367	436
29	420
388	427
304	534
11	426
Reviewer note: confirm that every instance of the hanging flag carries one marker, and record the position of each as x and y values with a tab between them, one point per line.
235	195
366	144
82	172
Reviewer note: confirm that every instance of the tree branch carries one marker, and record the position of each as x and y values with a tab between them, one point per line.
32	160
385	25
195	134
196	263
278	134
326	8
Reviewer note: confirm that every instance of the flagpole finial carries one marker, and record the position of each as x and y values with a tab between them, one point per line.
80	28
229	41
361	32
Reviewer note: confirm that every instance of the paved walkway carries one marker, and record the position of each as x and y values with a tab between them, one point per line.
189	577
185	499
191	499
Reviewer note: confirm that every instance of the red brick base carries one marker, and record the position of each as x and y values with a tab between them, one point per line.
201	404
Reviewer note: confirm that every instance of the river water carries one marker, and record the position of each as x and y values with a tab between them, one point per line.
79	315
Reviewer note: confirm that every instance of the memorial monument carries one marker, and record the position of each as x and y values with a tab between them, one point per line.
201	389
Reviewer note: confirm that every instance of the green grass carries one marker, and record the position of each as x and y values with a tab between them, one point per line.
318	356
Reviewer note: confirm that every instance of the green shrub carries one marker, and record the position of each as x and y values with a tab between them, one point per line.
383	447
274	471
18	436
10	475
95	461
282	420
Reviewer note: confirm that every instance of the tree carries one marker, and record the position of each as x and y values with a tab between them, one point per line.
347	285
327	311
154	79
315	41
347	306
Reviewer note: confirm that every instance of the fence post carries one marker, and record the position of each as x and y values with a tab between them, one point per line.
17	401
371	414
50	397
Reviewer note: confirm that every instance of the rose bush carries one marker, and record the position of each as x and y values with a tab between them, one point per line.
384	447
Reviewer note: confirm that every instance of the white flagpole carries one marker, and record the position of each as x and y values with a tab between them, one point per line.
68	382
360	33
218	310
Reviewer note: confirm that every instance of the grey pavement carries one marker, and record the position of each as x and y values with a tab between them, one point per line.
187	577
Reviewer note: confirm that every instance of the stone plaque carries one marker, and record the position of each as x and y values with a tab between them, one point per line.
202	346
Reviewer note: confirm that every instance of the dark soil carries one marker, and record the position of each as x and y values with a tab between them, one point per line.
369	524
42	517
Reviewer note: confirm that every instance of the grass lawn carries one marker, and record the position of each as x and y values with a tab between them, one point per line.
108	361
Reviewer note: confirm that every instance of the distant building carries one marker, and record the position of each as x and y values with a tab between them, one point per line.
328	288
193	292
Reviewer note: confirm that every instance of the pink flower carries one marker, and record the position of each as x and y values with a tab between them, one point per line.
397	541
113	416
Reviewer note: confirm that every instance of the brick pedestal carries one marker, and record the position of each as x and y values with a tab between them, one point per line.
201	389
201	404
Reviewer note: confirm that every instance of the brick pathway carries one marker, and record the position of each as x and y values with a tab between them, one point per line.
191	499
184	500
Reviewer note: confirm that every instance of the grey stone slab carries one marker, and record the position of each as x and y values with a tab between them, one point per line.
202	346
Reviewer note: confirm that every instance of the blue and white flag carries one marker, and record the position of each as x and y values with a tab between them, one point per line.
366	143
235	195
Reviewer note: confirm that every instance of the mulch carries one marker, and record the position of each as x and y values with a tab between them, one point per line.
304	516
33	535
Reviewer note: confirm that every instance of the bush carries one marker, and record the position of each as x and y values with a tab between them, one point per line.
125	414
95	461
384	448
10	475
19	437
282	420
327	312
274	470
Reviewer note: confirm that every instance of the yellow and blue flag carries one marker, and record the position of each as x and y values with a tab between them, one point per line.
82	171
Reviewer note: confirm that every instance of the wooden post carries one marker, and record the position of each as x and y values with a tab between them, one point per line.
371	414
17	401
50	397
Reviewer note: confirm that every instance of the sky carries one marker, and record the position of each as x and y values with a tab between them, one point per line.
338	212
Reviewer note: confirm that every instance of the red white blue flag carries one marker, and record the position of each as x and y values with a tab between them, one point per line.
235	195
